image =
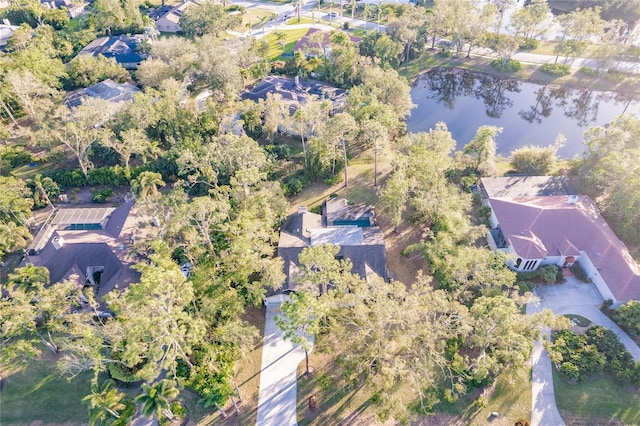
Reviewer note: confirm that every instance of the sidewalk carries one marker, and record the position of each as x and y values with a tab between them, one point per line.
277	400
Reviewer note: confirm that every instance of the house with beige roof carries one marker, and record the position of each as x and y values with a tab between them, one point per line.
167	19
560	230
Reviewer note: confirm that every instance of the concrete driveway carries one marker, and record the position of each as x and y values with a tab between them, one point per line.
278	376
582	299
572	297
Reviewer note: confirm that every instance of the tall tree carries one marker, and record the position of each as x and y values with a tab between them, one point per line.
81	127
483	148
300	321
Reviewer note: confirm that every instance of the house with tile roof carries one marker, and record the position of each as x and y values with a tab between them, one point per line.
89	246
560	230
124	49
362	243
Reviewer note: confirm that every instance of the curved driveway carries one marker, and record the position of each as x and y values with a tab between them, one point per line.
572	297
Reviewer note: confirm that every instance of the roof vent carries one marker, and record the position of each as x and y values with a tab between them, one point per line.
302	209
573	199
57	242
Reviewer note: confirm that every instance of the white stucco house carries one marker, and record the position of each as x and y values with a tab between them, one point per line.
560	230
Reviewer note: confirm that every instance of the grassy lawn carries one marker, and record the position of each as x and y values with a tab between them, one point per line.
510	396
292	36
251	18
578	320
39	393
598	398
340	404
303	20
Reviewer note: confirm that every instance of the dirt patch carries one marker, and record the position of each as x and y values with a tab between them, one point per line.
405	268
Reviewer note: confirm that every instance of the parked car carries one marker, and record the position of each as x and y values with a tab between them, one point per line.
185	268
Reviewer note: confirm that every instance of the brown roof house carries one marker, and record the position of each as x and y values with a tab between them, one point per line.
559	230
355	233
90	246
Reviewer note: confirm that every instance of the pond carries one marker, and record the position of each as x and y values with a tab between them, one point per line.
530	114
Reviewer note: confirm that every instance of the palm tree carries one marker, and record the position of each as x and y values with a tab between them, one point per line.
40	184
104	402
147	184
13	236
155	399
298	5
29	276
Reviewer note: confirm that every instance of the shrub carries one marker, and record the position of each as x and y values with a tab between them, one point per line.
628	317
122	373
346	25
508	66
533	160
445	53
101	195
590	72
579	272
557	70
236	8
178	410
574	356
16	156
619	360
530	44
547	273
615	75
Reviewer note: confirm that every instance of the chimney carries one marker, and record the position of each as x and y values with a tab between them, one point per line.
572	199
302	209
57	242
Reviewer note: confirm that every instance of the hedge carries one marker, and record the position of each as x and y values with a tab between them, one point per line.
114	175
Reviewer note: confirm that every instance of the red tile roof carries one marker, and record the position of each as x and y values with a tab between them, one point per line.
561	226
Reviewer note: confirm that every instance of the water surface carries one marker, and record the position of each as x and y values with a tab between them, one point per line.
530	114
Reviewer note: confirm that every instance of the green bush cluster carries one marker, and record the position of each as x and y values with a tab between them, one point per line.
579	272
445	53
599	349
508	66
16	156
114	175
628	317
549	274
557	70
590	72
530	44
101	195
122	373
615	75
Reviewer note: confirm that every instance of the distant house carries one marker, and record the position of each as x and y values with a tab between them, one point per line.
73	9
306	46
167	18
560	230
359	242
108	90
89	246
124	49
6	31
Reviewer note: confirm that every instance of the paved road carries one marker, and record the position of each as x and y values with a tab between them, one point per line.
278	375
570	298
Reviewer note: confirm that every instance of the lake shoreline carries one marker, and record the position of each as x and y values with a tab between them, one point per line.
529	73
